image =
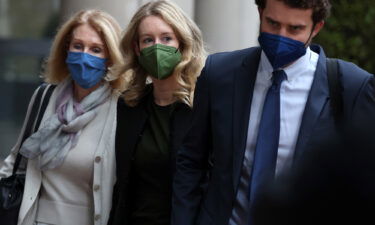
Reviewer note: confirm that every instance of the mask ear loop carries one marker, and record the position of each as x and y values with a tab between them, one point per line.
308	39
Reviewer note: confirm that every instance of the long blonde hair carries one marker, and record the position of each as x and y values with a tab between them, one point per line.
190	44
108	29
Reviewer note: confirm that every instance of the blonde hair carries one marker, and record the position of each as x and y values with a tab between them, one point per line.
109	30
190	44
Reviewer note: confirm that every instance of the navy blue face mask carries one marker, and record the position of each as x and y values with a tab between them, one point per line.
280	50
87	70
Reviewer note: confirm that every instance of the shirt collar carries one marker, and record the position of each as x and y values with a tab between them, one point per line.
291	71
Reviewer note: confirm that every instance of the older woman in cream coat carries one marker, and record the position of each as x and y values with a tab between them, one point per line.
75	187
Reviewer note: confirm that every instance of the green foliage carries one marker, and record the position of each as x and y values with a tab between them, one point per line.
349	33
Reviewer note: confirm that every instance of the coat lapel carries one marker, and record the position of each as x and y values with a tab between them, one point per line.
318	97
244	80
127	133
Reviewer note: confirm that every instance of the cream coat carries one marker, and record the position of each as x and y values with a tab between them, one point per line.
104	168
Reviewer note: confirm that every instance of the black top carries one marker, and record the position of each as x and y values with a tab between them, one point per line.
132	126
151	188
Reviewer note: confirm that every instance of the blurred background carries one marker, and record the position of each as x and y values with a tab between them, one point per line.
28	26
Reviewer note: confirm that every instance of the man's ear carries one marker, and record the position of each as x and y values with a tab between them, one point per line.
318	26
260	11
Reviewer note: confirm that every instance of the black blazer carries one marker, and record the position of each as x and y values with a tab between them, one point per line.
131	122
220	123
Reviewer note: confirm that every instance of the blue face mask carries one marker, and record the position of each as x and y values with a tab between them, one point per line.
280	50
87	70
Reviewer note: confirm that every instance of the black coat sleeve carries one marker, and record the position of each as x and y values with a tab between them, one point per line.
192	157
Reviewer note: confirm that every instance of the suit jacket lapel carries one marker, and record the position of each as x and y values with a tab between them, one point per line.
318	97
244	80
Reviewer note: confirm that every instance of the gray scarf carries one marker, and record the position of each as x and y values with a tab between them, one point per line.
60	132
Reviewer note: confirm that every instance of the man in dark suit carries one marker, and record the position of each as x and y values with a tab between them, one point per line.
257	110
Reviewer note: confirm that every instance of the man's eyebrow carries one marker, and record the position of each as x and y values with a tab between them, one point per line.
290	25
270	19
297	25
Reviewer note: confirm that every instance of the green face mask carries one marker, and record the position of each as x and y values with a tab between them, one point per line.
159	60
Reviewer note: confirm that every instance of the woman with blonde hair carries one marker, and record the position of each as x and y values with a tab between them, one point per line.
163	54
70	169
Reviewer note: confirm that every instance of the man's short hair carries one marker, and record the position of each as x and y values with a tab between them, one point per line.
321	8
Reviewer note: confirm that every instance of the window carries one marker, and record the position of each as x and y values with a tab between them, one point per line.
26	31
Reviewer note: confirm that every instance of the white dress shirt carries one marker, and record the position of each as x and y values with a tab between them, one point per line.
293	97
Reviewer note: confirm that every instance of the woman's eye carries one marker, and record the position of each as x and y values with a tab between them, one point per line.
97	50
147	40
167	39
77	46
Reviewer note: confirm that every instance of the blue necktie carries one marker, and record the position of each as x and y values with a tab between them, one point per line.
264	163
